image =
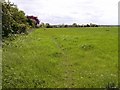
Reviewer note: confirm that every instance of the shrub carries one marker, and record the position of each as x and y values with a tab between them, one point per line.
22	28
15	28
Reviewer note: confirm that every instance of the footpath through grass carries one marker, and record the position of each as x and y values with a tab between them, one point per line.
62	58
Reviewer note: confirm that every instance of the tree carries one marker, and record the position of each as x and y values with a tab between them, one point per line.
33	21
74	25
47	25
87	25
42	25
66	26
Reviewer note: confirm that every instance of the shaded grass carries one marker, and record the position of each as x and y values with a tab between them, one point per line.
62	58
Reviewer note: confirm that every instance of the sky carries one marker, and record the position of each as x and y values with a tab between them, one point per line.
103	12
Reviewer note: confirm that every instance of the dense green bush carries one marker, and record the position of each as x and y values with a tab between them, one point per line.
14	20
15	28
22	28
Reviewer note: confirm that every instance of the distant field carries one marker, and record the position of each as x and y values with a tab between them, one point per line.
62	58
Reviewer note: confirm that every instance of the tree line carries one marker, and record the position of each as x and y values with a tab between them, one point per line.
47	25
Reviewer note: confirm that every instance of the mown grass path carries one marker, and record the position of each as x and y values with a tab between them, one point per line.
68	77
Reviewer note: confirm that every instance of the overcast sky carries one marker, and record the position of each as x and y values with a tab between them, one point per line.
70	11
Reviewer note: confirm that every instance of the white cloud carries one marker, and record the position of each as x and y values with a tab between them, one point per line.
70	11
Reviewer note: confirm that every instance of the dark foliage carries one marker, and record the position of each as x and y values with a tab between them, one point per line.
14	20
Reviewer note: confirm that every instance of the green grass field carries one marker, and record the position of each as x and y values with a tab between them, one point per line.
62	58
